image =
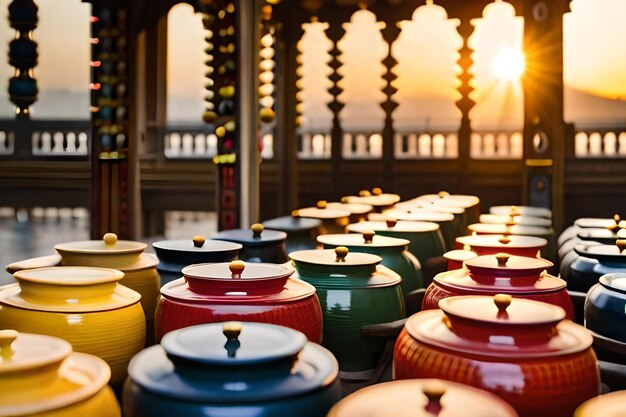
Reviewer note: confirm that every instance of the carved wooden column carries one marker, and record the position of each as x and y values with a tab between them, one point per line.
390	33
115	169
465	104
544	127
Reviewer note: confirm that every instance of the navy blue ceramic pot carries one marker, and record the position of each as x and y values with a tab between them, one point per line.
174	255
301	231
258	245
605	307
232	369
593	262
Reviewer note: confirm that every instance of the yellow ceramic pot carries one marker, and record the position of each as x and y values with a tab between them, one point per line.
83	305
41	377
124	255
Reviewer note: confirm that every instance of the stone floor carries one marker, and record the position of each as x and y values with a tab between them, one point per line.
22	238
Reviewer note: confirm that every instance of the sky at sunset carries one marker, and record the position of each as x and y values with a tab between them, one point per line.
595	63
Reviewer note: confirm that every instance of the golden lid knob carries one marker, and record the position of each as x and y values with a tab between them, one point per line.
257	229
377	191
341	252
236	268
368	236
110	239
502	258
443	194
502	301
232	329
364	193
198	241
321	204
295	214
7	337
391	223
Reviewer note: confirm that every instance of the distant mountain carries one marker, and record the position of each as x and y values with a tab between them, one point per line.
589	110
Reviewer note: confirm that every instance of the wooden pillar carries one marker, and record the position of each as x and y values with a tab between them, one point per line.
155	88
115	168
465	104
390	33
544	127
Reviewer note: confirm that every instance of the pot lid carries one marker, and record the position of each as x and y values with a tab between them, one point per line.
604	253
500	229
109	245
515	220
236	278
615	282
197	244
427	216
604	236
354	208
26	359
323	212
340	257
366	239
292	223
421	398
612	404
459	255
25	351
253	237
598	223
393	226
499	326
521	210
68	289
432	206
447	199
493	279
233	343
233	363
503	241
375	198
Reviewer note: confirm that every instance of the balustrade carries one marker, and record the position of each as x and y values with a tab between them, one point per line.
600	143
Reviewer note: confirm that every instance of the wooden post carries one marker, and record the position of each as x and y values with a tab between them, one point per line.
544	127
465	104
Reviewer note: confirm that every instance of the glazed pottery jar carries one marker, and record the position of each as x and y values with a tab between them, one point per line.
460	219
515	220
605	307
301	231
568	255
612	404
444	220
354	291
504	229
358	211
521	350
595	261
522	277
393	251
333	220
212	293
456	258
588	223
529	246
521	211
41	377
83	305
421	398
174	255
376	198
232	369
427	242
470	203
258	245
140	273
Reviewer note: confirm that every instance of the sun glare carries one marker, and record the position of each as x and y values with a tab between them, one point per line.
509	64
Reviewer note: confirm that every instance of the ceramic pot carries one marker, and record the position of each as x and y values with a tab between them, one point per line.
470	203
333	220
595	261
521	350
567	255
258	245
612	404
301	232
354	291
605	307
521	211
421	398
588	223
212	293
375	198
83	305
426	241
358	211
519	276
140	273
174	255
232	369
412	206
457	257
41	377
393	251
503	229
512	244
515	220
444	220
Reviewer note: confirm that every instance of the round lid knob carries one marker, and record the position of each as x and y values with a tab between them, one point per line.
341	252
391	223
616	222
198	241
321	204
621	245
616	218
345	199
236	268
295	214
368	236
232	329
110	239
377	191
434	391
257	229
514	211
505	239
502	258
443	194
364	193
502	301
7	337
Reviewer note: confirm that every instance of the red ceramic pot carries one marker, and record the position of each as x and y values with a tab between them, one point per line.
511	244
457	257
521	350
522	277
236	291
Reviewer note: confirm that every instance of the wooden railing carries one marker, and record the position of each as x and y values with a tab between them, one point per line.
600	143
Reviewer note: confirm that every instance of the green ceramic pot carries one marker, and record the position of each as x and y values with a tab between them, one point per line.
354	291
444	220
394	253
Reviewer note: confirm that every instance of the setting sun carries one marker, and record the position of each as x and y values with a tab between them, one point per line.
509	64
